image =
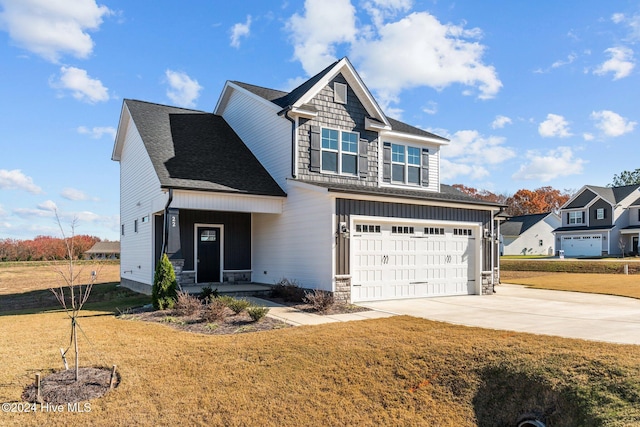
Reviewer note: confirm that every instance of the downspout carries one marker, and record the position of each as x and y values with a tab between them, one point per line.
493	249
285	113
166	226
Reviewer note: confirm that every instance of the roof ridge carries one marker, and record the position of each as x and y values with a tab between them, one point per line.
125	100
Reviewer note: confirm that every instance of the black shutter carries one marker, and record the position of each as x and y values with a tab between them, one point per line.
425	167
568	218
363	157
314	154
386	162
583	221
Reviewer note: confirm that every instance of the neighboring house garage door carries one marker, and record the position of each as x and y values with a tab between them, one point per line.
412	260
582	245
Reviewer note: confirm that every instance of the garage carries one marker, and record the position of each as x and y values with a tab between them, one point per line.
583	245
392	260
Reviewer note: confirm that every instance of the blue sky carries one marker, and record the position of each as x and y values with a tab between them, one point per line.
529	93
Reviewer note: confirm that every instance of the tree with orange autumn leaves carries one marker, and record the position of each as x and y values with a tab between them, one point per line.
522	202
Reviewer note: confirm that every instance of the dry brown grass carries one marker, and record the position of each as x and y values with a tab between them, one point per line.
396	371
608	284
18	279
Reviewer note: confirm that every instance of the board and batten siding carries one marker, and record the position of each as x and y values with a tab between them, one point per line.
347	207
139	193
296	244
267	135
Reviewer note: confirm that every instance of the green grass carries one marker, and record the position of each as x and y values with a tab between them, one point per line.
571	266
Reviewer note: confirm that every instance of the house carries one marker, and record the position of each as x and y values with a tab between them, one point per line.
315	185
103	250
599	221
529	234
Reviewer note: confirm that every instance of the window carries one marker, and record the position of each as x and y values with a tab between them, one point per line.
135	225
145	219
405	164
122	229
433	230
600	213
339	152
461	232
208	236
401	230
575	217
365	228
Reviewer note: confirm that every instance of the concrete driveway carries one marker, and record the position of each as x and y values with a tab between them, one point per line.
517	308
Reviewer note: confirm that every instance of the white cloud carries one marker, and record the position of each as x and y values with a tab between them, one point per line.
451	170
560	63
620	64
50	28
82	87
183	90
545	167
554	126
612	124
315	34
430	53
16	180
588	136
431	107
468	146
500	122
239	31
46	209
74	194
617	18
48	205
97	132
2	211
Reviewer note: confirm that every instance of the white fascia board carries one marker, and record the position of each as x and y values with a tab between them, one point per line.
310	187
301	112
123	125
410	137
226	94
375	125
357	85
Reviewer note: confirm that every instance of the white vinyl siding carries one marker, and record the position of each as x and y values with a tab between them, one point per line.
528	243
296	244
199	200
139	194
267	135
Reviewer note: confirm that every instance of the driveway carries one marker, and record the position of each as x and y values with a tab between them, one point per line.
517	308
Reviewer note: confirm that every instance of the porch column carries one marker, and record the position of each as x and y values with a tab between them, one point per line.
174	249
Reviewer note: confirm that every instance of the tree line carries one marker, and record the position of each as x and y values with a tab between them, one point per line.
44	248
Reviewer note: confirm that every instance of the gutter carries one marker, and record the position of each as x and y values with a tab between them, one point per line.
285	113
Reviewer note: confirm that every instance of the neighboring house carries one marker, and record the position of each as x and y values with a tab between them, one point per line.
599	221
529	234
103	250
315	185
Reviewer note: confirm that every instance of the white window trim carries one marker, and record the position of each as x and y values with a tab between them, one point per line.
600	213
340	153
406	164
576	216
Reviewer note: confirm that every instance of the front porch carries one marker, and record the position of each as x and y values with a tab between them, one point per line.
234	290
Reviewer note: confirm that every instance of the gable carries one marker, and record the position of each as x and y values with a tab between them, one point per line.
581	200
516	225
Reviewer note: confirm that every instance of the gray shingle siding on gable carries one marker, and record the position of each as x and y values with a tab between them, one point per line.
349	117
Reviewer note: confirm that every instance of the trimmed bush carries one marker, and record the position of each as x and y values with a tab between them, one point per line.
256	312
238	305
288	290
321	301
165	286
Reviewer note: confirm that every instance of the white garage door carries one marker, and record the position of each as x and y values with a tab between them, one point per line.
582	245
402	260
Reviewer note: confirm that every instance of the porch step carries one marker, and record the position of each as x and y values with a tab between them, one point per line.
235	290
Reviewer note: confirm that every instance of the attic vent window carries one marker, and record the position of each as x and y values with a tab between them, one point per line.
340	93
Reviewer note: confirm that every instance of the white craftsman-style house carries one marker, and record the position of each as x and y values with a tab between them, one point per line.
315	185
529	234
600	221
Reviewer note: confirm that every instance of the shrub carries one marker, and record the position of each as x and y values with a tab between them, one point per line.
237	305
319	300
288	290
187	304
214	311
225	299
164	290
207	294
256	312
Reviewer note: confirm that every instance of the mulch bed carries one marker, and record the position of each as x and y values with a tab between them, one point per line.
337	308
232	324
61	387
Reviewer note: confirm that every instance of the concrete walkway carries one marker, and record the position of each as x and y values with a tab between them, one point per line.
297	318
521	309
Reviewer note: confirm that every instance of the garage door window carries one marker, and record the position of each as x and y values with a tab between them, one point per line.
401	230
366	228
434	230
461	232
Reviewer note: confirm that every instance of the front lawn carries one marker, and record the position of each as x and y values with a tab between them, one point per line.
608	284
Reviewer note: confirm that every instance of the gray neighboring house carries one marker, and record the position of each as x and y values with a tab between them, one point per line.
315	185
103	250
599	221
529	234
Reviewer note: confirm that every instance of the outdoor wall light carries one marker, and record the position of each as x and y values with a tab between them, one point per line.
343	230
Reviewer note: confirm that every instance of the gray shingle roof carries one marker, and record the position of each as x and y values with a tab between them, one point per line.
516	225
447	192
612	195
104	248
196	150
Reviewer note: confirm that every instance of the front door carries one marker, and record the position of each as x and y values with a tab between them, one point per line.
208	262
635	244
